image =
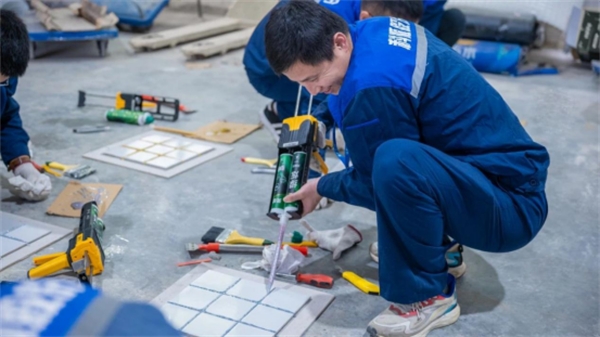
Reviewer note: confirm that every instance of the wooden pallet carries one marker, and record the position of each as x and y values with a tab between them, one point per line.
216	37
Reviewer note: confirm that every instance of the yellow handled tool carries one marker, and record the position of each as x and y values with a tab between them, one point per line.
362	284
271	163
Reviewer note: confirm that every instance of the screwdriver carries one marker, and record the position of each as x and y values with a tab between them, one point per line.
315	280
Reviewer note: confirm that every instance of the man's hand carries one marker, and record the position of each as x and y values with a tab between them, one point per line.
308	195
28	183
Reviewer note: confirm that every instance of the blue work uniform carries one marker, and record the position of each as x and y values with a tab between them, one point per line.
54	307
14	138
436	151
280	88
433	10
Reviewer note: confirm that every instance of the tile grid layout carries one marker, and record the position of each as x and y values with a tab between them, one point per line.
158	151
218	304
14	238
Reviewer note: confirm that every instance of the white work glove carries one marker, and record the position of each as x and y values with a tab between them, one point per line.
28	183
336	240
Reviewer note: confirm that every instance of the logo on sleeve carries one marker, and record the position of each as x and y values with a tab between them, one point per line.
329	2
399	34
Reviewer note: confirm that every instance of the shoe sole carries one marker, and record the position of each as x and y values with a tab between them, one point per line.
270	127
447	319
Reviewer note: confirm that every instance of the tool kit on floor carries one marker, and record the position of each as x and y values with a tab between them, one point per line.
71	171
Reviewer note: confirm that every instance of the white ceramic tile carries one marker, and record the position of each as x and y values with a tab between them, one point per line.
267	318
159	149
156	139
119	151
141	157
286	300
177	316
230	307
198	148
27	233
249	290
163	162
208	325
8	246
181	155
243	330
177	143
194	298
139	145
213	280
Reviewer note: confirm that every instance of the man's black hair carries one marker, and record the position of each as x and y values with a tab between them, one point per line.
301	30
411	10
14	44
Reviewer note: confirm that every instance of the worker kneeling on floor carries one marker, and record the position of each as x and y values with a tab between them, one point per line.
28	183
436	152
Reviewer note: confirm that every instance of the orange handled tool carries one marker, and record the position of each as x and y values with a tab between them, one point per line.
315	280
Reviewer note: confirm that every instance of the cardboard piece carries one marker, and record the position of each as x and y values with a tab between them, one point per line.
76	192
218	132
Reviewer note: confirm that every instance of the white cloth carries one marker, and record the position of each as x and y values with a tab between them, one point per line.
336	240
28	183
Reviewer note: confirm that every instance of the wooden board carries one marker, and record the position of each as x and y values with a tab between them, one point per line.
173	37
218	44
219	131
319	300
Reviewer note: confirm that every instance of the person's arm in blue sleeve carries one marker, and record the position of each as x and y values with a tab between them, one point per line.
14	138
322	114
346	186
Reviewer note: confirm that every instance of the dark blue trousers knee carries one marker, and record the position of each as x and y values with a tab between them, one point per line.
421	195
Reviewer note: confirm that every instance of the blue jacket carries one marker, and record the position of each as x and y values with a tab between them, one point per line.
402	82
14	138
433	10
255	55
55	307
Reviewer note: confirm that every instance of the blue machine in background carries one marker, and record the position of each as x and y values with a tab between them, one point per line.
138	14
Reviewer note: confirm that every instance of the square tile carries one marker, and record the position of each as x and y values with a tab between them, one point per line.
157	139
208	325
230	307
27	233
267	318
8	246
286	300
177	143
198	148
194	298
248	290
213	280
119	151
139	145
177	316
159	149
243	330
141	157
163	162
181	155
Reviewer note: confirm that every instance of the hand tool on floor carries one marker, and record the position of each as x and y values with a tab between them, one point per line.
298	141
262	170
362	284
224	248
84	254
91	129
232	237
315	280
270	163
193	262
162	108
72	171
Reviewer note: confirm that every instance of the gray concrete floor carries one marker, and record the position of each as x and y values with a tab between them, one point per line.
549	288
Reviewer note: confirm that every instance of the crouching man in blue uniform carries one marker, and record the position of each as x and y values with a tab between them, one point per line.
435	149
284	92
28	183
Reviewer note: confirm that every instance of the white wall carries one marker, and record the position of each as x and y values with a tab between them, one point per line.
554	12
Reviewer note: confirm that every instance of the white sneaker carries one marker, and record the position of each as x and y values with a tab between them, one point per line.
417	319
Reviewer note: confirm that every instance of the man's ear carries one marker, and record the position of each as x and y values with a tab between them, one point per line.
364	15
341	41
